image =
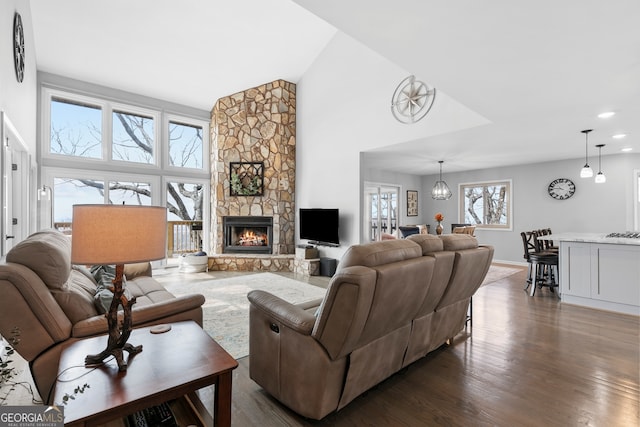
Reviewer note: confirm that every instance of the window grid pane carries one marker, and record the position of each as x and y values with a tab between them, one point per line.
185	145
133	138
71	191
129	193
486	205
76	129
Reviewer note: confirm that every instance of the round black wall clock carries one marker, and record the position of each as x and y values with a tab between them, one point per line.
18	47
561	188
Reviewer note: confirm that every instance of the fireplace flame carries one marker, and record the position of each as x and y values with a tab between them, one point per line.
251	238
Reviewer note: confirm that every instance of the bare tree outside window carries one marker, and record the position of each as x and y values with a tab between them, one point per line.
75	131
133	138
486	204
185	145
184	201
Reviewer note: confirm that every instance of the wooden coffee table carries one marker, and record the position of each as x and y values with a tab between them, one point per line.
171	365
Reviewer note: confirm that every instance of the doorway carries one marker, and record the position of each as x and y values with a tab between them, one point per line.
381	210
16	172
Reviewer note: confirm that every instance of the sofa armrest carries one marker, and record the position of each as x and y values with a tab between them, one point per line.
153	313
290	315
310	306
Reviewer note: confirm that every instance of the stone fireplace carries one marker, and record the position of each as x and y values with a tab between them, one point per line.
255	126
247	234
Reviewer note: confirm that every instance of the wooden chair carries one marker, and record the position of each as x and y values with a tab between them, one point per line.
543	263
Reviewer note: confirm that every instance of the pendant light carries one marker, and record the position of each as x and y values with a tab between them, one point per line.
441	190
586	171
600	178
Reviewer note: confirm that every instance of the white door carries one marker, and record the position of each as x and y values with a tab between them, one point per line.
15	189
381	210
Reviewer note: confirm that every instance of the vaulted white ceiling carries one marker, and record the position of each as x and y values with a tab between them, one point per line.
539	72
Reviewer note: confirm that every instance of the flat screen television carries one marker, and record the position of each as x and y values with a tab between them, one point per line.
320	226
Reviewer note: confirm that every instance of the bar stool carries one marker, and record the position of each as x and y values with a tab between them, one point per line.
543	264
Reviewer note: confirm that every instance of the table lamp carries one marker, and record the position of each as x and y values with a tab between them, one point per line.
118	234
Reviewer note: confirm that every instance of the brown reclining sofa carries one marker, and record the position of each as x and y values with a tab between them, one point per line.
389	304
51	303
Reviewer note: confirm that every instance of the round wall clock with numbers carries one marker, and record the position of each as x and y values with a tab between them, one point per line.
18	46
561	188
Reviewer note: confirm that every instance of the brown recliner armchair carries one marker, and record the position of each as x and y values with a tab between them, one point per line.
389	303
51	303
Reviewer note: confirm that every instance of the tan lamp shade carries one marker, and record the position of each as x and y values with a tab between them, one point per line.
118	234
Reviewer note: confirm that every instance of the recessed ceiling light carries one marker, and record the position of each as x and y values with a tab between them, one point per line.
627	149
606	114
619	136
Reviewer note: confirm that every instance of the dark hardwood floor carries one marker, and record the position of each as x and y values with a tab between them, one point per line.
527	361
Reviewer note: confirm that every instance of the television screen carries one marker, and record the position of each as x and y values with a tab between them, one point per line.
319	226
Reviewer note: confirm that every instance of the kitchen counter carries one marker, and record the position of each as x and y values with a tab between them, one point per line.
599	271
592	238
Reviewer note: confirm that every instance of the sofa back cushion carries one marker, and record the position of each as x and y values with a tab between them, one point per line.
428	243
379	253
400	290
469	269
76	296
456	242
48	254
377	288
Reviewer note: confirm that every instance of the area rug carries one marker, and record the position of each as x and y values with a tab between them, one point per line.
226	309
498	272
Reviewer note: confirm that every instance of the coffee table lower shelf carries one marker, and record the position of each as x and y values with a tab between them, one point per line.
188	411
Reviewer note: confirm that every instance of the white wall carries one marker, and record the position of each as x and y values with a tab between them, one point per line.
343	109
18	100
594	208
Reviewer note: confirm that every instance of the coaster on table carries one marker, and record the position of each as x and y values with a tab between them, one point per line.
160	329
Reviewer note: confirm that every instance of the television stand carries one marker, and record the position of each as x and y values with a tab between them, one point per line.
317	243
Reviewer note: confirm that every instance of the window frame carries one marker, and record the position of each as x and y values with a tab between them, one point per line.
158	174
157	133
107	109
509	211
169	117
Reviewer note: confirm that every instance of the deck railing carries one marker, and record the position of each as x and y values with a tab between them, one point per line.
182	236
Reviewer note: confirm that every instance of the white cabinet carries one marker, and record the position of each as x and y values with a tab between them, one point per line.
604	276
575	269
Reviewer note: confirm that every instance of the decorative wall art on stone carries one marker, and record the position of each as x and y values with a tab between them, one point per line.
246	178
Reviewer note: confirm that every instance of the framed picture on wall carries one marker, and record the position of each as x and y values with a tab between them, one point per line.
412	203
246	178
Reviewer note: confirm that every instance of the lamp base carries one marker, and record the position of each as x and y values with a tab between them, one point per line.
117	342
117	353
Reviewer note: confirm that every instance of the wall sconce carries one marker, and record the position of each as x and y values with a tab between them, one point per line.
441	190
45	193
586	171
600	178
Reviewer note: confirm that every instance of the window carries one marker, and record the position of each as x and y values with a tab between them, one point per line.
133	138
486	204
185	213
98	150
75	129
69	191
185	145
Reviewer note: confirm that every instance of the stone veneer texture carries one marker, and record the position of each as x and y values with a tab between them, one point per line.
256	125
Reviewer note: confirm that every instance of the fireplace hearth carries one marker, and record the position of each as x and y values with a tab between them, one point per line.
247	234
